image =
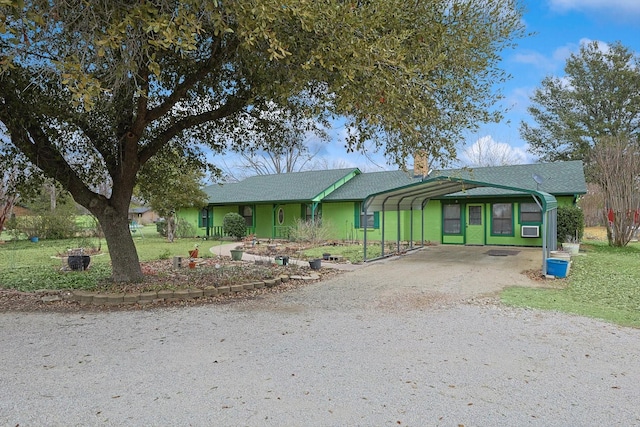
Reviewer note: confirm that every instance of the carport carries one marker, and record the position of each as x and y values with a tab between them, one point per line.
415	196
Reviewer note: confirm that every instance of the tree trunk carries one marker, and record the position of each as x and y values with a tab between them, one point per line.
125	264
171	226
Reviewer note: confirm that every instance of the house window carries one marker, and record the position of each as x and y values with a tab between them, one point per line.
452	219
530	212
204	218
475	215
247	213
502	219
370	219
280	216
309	216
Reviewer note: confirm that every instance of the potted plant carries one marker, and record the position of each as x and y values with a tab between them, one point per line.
194	252
236	254
570	226
571	245
78	260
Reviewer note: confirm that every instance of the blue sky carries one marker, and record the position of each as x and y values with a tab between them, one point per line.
559	27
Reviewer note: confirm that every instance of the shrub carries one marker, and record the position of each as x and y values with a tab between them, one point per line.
161	228
50	225
233	225
570	223
184	229
310	231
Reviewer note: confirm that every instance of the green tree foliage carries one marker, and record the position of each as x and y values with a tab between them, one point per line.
170	181
599	96
570	224
233	225
91	91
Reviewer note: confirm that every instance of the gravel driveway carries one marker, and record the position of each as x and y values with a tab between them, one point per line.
413	341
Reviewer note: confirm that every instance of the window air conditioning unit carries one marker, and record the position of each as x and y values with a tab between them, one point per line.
530	231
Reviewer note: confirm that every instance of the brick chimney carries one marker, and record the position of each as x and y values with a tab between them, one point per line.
420	164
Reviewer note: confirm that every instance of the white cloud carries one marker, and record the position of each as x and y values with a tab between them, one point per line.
536	59
551	64
488	152
605	11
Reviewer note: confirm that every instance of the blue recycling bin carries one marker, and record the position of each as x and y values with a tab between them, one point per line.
557	267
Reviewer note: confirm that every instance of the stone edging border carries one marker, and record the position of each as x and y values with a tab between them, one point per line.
168	295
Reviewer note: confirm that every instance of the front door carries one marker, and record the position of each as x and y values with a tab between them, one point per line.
475	225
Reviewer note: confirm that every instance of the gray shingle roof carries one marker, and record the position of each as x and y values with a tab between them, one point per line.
289	187
365	184
560	178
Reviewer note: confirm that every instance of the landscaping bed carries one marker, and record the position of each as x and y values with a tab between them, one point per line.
232	277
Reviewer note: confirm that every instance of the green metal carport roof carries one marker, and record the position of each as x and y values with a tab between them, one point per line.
413	196
416	195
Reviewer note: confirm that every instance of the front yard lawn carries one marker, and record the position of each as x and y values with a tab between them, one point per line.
604	283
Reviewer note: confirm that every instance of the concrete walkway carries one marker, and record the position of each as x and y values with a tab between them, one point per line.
225	250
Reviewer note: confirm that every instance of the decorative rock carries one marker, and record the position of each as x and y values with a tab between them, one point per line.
181	294
67	296
130	298
51	298
258	285
115	299
165	294
224	290
295	277
210	291
270	283
147	296
284	278
195	293
100	299
237	288
83	297
248	286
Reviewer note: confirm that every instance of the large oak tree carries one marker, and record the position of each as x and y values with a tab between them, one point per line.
91	90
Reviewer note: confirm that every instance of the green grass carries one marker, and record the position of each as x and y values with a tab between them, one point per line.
28	266
604	284
352	253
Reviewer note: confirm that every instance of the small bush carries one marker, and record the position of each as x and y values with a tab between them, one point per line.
570	223
233	225
310	231
161	228
51	225
184	229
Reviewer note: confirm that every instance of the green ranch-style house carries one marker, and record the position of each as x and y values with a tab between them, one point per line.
503	205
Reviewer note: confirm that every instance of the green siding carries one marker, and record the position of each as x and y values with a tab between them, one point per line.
192	216
263	217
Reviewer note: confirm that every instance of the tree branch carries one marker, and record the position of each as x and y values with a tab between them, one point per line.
233	105
207	66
